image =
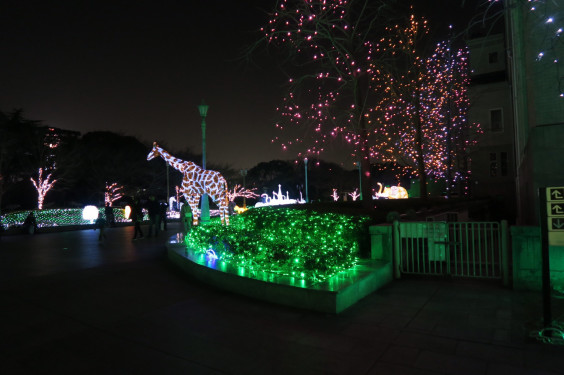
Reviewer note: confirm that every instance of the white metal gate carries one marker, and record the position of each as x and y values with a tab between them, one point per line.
458	249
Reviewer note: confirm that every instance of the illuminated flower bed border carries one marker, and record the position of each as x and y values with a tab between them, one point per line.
284	241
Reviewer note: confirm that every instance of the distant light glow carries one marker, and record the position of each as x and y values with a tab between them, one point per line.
90	213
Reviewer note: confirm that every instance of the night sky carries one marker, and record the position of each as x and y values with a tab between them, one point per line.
141	68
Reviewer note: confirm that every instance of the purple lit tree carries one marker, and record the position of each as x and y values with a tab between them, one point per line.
423	119
369	84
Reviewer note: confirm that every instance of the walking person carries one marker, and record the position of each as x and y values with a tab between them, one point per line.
137	218
30	224
154	215
101	224
186	217
163	208
110	218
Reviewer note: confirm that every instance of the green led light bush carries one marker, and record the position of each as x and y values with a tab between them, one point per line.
56	217
284	241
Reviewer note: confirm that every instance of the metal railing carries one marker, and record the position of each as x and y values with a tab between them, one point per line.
458	249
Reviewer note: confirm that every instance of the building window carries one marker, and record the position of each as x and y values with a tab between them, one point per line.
496	120
492	57
493	164
499	164
503	163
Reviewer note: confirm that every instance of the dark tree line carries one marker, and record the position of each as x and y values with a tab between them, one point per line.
84	164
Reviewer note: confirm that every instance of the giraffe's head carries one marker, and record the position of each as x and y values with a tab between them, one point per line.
154	152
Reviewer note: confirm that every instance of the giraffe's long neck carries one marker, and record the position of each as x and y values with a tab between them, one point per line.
176	163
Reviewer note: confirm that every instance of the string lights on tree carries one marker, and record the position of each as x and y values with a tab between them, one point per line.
425	123
239	191
42	186
548	25
354	195
551	44
350	86
336	49
335	195
112	193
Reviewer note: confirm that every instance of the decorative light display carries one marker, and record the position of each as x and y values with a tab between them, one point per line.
335	195
42	186
197	182
210	254
283	241
239	191
424	126
90	213
549	23
128	212
350	87
354	195
112	193
332	45
393	192
58	217
278	199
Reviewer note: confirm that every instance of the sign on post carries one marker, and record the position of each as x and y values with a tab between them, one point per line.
555	215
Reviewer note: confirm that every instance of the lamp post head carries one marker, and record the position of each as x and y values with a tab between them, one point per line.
203	109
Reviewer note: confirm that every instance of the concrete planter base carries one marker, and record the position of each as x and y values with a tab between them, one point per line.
330	296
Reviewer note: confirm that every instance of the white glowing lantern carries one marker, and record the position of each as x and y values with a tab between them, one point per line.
127	212
90	213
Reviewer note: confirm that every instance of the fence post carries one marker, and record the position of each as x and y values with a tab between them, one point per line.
504	254
397	244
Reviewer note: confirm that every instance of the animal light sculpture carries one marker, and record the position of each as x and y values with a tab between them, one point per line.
197	182
394	192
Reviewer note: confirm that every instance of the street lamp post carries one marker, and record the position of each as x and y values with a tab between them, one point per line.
244	174
204	206
306	187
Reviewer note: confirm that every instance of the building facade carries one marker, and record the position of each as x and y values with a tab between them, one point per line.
536	56
493	162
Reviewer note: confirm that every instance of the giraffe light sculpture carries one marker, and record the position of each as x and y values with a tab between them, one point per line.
196	182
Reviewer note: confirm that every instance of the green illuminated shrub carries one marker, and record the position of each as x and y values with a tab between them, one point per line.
285	241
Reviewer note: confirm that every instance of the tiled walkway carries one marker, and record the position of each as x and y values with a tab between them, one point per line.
70	305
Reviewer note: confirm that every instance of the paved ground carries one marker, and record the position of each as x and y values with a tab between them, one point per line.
70	305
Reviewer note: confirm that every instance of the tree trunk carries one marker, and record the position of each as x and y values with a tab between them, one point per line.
366	179
361	91
422	174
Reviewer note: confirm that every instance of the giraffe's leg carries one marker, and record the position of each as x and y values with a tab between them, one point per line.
223	204
193	202
225	209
